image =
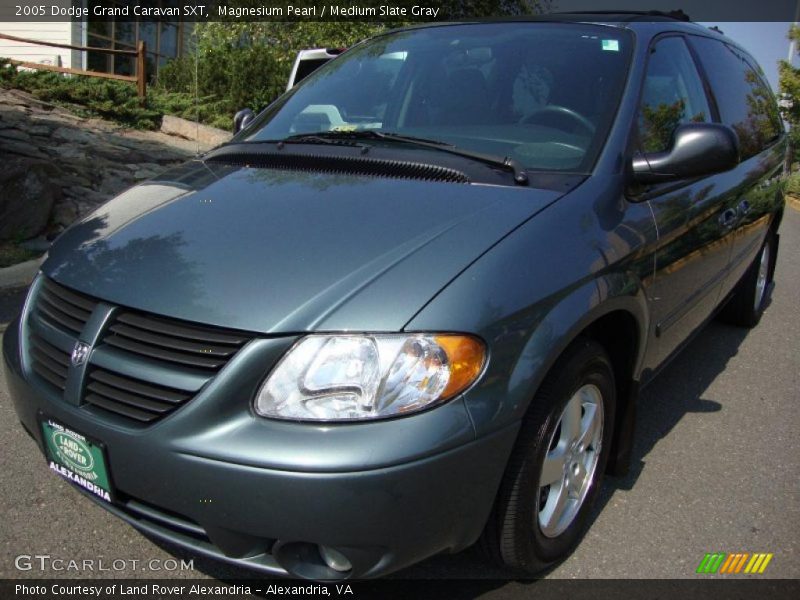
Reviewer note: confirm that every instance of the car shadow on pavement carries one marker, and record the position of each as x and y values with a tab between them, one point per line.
679	389
676	391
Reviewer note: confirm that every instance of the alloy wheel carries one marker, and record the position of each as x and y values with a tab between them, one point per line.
571	461
763	274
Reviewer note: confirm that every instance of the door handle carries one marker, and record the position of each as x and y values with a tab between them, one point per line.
728	218
744	208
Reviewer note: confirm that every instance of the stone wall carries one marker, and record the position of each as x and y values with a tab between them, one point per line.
58	167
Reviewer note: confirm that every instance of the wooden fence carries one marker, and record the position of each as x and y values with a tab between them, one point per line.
140	79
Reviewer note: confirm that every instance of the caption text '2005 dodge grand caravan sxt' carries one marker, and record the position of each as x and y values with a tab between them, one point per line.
411	304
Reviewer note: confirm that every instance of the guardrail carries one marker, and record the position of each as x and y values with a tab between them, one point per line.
140	79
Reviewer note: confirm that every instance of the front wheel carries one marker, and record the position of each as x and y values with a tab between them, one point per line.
556	467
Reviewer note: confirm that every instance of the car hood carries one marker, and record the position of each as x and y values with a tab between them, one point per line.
277	251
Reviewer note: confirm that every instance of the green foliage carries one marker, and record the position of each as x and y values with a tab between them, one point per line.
658	124
87	96
209	109
793	185
244	64
789	83
238	64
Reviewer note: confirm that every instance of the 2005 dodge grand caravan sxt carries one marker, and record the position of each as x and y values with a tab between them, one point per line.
410	306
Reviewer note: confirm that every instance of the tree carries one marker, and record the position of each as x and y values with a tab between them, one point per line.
247	63
789	81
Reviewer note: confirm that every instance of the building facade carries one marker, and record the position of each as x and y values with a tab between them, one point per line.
164	40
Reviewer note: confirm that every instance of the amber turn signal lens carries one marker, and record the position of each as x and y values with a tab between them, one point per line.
466	356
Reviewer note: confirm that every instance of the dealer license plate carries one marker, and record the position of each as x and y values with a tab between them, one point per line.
76	458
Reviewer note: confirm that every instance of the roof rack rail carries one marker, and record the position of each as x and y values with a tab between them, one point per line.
677	15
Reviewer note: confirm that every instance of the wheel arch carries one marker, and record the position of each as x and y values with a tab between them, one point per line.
620	324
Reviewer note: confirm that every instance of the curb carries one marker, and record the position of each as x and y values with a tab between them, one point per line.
21	275
793	202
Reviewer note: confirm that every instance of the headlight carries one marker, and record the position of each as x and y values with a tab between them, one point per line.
353	377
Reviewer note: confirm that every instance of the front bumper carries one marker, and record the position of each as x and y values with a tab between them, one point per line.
263	494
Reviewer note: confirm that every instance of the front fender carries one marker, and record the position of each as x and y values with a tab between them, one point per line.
519	361
537	290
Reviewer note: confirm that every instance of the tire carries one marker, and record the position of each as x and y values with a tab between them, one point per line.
750	295
523	532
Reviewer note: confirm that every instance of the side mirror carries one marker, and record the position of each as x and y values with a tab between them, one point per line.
697	149
242	119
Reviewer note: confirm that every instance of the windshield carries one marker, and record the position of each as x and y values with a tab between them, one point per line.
543	94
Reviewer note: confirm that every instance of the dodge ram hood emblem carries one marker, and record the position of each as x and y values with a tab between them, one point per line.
80	353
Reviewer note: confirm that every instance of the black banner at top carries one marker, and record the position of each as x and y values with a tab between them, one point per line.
382	10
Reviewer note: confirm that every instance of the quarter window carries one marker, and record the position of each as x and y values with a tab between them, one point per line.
672	95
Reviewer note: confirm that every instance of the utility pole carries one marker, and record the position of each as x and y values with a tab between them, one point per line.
792	43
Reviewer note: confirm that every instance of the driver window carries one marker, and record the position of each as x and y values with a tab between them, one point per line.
672	95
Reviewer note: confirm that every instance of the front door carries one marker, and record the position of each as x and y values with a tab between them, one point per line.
695	219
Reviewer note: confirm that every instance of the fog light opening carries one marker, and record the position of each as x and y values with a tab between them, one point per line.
334	559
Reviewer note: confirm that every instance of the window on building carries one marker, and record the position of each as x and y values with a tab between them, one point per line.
163	39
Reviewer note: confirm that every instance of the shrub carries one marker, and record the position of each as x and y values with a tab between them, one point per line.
239	65
87	96
793	185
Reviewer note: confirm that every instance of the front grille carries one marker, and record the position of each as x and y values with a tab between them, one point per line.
132	398
174	342
143	367
49	363
63	308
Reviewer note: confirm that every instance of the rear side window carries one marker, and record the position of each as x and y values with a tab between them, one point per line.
745	102
672	95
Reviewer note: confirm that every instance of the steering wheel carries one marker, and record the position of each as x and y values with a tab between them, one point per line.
558	110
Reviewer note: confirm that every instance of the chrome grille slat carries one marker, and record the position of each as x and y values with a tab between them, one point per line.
138	387
147	337
57	318
163	354
150	371
140	402
51	351
49	363
55	336
49	376
74	298
121	409
65	307
182	330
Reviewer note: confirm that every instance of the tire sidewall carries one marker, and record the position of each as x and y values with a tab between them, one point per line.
751	314
589	366
759	310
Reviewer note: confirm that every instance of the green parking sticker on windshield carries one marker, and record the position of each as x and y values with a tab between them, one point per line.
611	45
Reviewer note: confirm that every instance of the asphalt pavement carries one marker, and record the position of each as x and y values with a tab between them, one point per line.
715	469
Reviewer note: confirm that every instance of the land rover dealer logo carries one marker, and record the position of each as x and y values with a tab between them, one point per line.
73	451
80	353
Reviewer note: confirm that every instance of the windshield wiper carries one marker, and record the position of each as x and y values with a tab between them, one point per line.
330	137
359	134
